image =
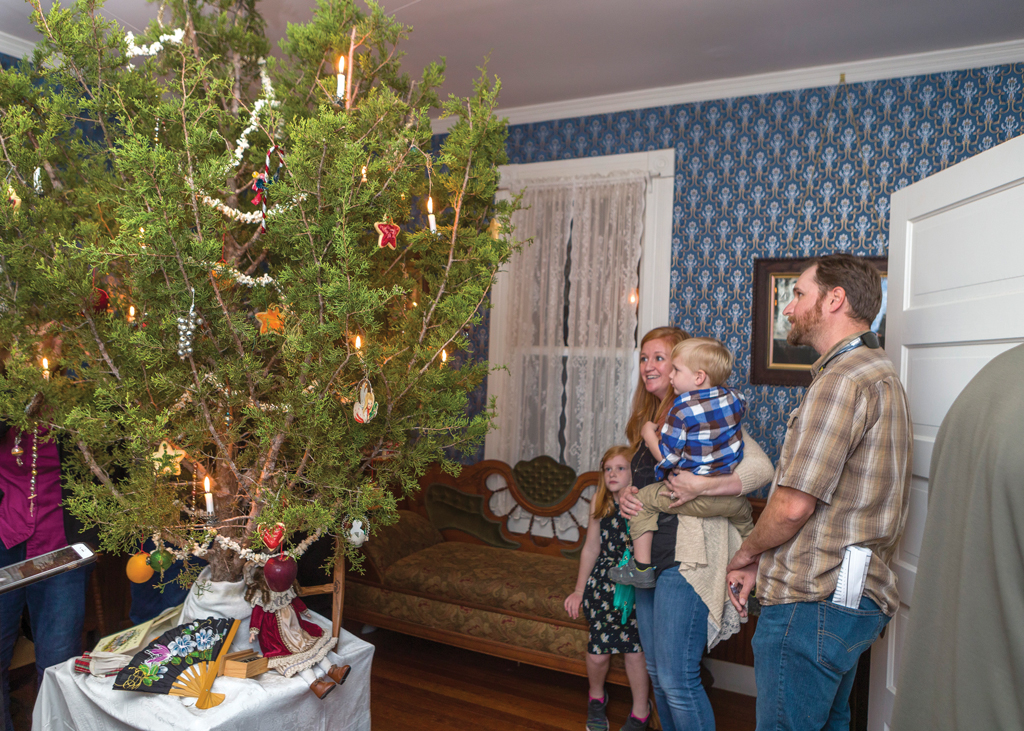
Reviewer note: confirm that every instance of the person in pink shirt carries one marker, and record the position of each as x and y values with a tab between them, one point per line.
33	522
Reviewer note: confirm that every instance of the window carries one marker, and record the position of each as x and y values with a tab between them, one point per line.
563	322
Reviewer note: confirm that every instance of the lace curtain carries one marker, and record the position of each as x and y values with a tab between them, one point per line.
568	322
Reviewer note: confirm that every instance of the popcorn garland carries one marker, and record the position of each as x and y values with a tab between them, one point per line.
174	38
201	549
264	280
268	100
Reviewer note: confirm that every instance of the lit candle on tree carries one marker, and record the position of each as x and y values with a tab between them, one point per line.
46	369
444	356
430	215
341	78
359	342
209	495
131	313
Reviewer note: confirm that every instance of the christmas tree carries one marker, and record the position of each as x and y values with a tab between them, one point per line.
241	267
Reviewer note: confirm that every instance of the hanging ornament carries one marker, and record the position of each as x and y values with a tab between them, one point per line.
138	569
272	537
262	180
356	535
161	560
366	405
388	234
168	459
13	199
280	572
270	320
187	329
101	300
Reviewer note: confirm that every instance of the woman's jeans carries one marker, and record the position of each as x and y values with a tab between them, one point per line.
805	660
673	623
56	608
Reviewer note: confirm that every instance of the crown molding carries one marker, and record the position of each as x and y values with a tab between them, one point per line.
14	46
892	67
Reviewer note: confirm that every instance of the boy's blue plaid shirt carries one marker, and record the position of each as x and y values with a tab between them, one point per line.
702	432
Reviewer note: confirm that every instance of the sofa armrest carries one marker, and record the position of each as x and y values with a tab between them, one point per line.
392	543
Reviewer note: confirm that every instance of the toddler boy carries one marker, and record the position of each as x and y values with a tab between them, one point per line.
701	434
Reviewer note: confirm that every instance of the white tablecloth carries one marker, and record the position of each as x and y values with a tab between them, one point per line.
70	701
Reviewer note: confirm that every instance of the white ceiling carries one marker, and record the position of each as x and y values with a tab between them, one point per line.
550	51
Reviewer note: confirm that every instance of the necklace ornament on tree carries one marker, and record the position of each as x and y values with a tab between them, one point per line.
271	320
387	234
186	331
366	405
168	459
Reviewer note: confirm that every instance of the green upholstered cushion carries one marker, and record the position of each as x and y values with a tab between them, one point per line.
452	508
543	481
529	583
410	534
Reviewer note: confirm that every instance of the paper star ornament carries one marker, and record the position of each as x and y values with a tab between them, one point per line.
388	234
168	459
270	320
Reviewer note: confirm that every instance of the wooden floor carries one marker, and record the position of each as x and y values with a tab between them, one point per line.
425	686
418	685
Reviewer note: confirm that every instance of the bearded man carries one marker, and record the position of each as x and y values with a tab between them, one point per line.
842	482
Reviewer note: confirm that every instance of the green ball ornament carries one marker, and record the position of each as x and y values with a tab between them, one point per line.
161	560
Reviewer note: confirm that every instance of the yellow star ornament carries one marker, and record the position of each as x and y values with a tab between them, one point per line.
270	320
167	459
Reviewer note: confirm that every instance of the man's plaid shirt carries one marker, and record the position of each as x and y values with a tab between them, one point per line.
702	432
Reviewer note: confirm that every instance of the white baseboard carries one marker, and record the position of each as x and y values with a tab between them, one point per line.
732	677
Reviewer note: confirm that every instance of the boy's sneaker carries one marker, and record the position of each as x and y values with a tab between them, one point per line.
631	575
596	718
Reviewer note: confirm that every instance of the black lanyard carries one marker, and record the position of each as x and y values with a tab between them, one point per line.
869	339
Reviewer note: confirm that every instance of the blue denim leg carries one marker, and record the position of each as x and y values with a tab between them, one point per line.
11	606
56	609
673	623
805	660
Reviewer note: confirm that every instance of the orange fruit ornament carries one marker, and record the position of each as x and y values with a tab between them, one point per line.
138	570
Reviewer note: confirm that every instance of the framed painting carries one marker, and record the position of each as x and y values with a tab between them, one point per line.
772	359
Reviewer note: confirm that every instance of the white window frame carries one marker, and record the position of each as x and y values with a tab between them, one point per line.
655	257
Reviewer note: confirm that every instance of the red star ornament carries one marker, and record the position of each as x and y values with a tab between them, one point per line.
388	234
270	320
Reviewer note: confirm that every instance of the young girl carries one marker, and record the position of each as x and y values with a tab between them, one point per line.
607	535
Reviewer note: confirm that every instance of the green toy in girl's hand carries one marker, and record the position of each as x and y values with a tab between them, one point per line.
624	593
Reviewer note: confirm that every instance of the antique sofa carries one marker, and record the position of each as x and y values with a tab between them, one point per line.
485	561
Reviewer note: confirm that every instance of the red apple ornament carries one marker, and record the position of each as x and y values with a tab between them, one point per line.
280	572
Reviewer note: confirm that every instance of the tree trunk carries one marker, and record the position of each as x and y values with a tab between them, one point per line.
225	564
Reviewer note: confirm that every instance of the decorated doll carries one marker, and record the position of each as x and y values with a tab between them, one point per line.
292	643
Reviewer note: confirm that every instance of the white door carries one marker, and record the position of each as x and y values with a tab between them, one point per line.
956	300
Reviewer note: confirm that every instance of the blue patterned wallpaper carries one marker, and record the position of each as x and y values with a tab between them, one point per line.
796	174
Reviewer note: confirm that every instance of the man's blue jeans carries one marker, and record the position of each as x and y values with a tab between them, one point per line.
805	659
56	608
673	623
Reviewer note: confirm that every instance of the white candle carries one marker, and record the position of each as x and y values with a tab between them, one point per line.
209	497
341	78
364	174
430	215
46	369
444	356
131	313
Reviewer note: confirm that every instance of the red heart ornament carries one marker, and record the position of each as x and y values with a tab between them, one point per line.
272	538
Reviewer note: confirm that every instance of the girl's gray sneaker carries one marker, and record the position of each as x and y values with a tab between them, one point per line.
596	718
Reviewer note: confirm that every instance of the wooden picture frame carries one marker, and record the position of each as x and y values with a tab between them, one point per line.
772	360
